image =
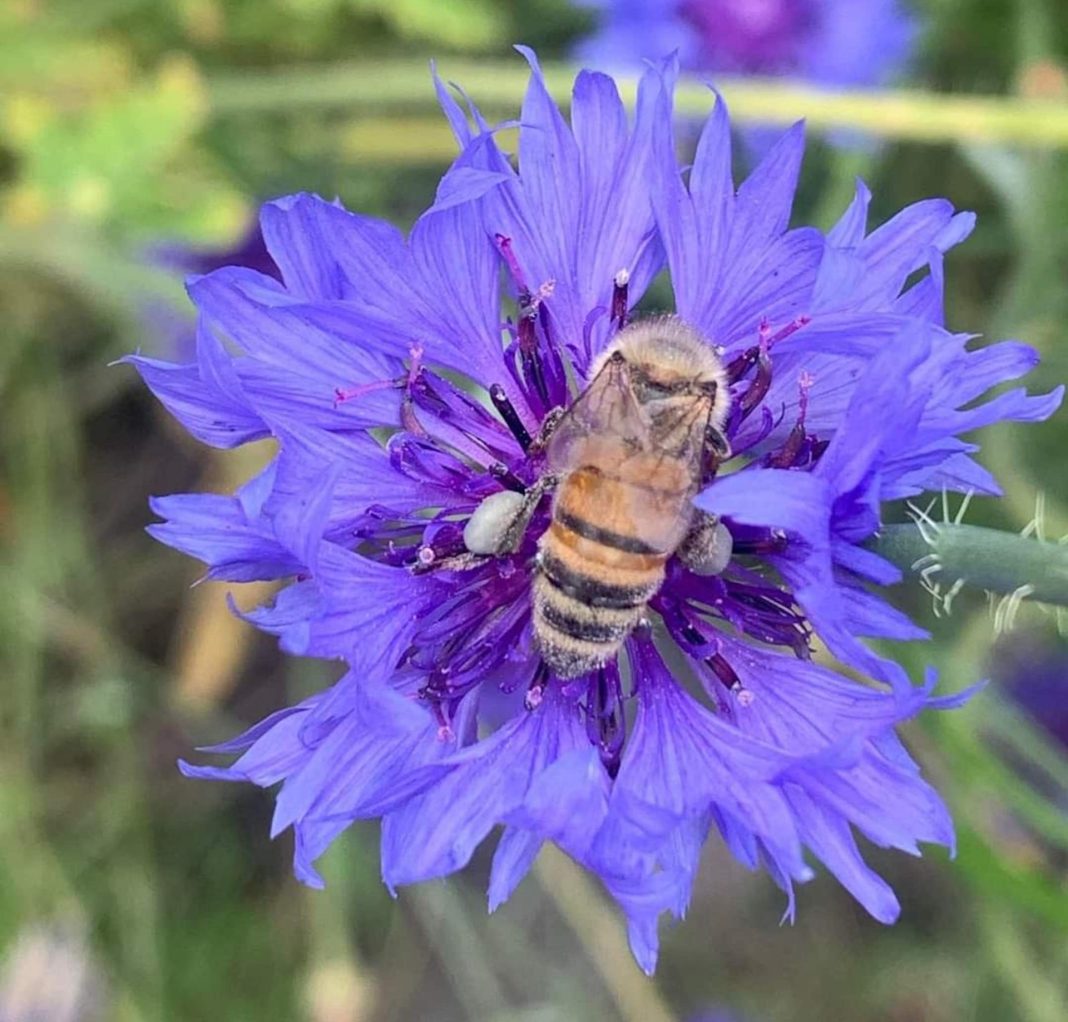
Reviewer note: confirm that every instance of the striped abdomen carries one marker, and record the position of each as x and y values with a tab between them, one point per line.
602	558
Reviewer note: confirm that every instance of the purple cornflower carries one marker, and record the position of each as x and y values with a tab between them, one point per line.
404	379
829	42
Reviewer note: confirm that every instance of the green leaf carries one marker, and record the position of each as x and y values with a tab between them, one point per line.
127	162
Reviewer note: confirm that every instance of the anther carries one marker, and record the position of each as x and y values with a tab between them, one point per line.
766	340
738	366
724	671
533	370
619	298
511	417
758	389
605	725
792	450
506	477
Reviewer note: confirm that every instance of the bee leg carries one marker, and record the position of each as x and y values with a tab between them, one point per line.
512	534
717	444
717	449
708	545
427	562
548	427
500	521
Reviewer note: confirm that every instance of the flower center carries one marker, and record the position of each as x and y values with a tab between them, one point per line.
481	629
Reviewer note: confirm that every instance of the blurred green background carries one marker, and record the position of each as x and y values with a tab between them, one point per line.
131	128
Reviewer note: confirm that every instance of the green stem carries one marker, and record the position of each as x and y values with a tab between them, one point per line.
399	84
1002	562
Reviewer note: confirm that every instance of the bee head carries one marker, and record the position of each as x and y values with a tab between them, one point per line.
667	359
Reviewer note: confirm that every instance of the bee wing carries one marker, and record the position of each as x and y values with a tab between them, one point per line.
606	408
657	465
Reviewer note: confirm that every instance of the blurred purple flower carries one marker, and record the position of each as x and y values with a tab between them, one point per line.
829	42
848	391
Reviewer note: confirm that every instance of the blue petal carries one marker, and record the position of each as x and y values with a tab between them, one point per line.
218	418
216	530
765	198
366	763
436	833
325	252
796	501
679	762
275	751
512	859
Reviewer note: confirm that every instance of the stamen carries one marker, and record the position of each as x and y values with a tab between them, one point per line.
804	385
730	679
504	244
510	415
745	600
439	544
533	370
705	649
738	366
605	724
556	376
794	447
766	340
409	420
758	389
506	477
773	542
619	298
341	395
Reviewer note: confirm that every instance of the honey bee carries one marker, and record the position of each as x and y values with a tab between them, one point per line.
624	459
